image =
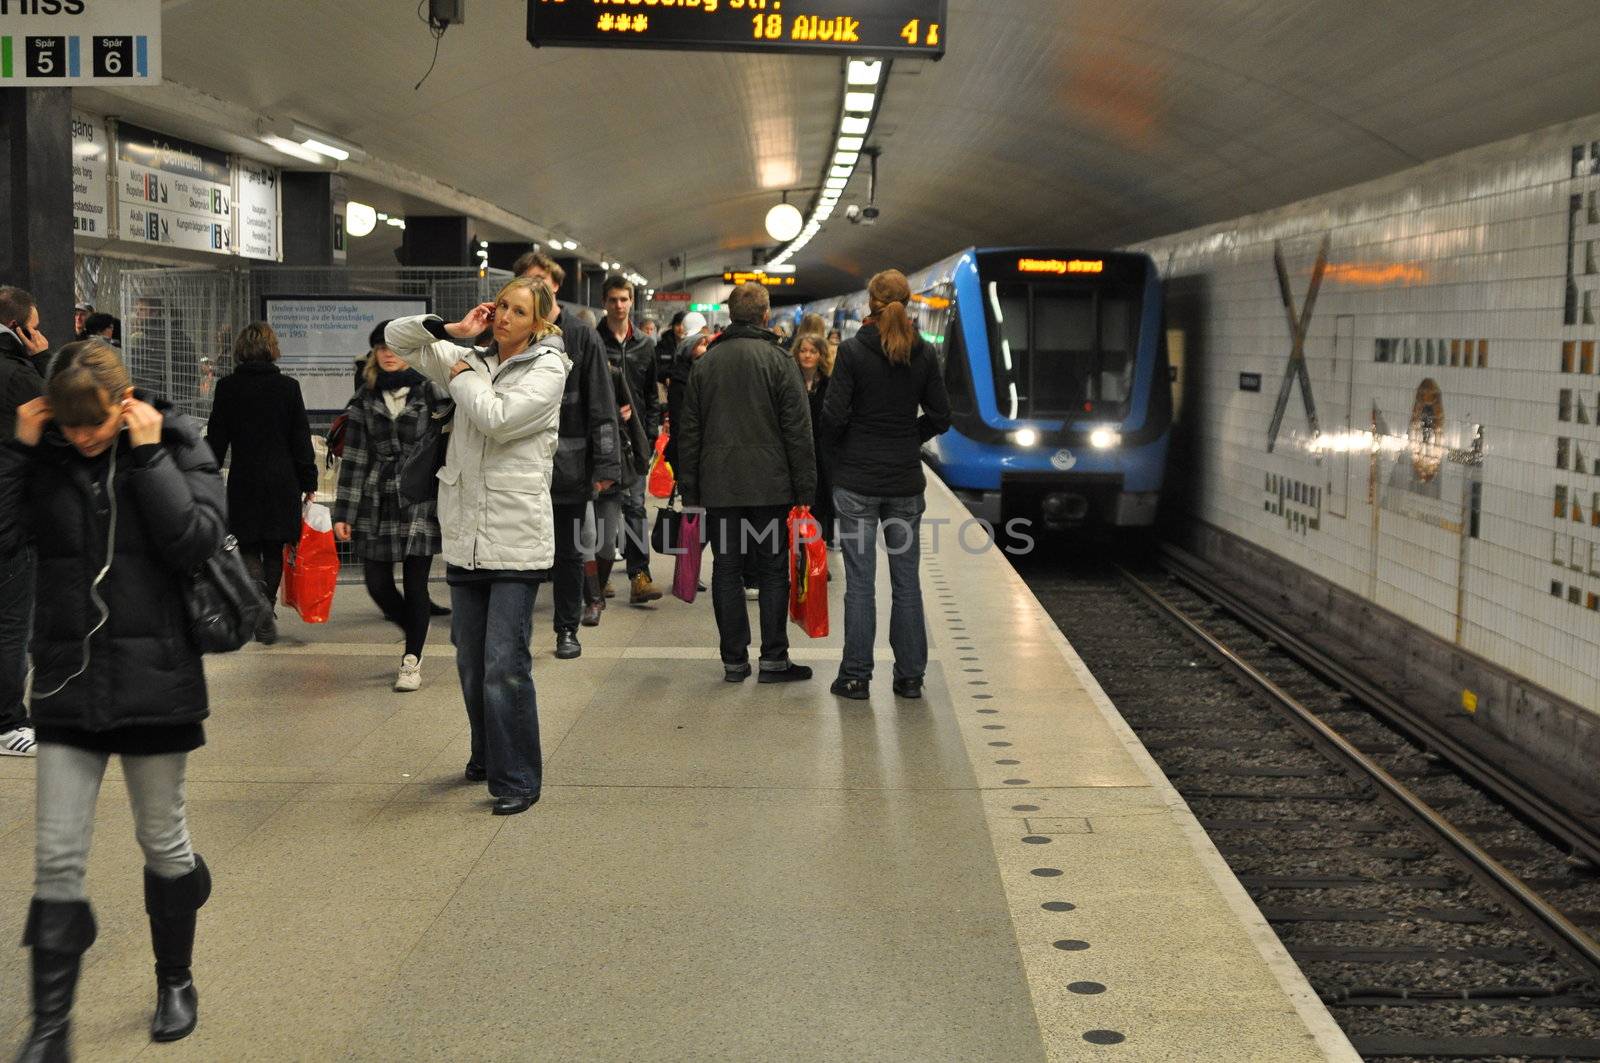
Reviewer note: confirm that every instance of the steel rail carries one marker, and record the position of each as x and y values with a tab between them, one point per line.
1581	840
1582	947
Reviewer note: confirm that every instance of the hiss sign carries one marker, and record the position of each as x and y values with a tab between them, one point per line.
79	42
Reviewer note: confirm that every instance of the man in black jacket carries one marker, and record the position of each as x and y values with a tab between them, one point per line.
588	457
632	352
22	351
667	346
745	453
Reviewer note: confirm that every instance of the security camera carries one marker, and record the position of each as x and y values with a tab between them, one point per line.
853	212
869	214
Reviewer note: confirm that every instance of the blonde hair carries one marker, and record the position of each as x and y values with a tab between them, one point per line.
87	380
887	296
544	304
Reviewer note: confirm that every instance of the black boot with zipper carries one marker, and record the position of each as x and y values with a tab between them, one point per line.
172	904
59	932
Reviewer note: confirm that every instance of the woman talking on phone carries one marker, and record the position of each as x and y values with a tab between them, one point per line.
494	514
120	504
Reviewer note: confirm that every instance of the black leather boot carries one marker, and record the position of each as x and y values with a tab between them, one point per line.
172	904
59	932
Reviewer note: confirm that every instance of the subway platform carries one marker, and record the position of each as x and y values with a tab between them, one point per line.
714	872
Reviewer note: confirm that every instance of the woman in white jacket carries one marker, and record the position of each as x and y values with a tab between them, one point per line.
494	515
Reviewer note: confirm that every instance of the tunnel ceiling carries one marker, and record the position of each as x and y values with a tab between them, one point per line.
1049	121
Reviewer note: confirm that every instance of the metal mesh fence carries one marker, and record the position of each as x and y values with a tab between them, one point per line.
179	325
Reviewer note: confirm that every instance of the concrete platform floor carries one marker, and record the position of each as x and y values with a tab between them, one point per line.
715	872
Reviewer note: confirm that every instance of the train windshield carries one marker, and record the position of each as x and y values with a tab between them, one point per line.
1062	348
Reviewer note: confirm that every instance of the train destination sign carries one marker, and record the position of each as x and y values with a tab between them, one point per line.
737	277
847	27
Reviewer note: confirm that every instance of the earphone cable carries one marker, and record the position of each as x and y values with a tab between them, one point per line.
94	585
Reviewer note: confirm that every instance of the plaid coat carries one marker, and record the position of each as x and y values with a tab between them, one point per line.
382	529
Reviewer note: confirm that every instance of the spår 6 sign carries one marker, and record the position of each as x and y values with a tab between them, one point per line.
79	42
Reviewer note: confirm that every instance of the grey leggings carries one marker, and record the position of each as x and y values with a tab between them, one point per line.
68	785
602	526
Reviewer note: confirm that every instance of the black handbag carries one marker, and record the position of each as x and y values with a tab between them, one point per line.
419	470
665	534
223	601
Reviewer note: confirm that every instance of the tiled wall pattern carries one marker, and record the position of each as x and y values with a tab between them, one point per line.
1451	357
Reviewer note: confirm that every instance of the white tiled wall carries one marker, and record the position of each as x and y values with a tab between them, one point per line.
1457	274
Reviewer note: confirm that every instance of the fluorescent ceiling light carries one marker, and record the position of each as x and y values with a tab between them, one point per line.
846	158
484	244
837	182
851	143
864	72
359	219
841	171
774	267
398	223
859	102
313	144
854	126
291	149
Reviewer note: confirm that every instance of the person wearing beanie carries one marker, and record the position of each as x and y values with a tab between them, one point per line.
396	412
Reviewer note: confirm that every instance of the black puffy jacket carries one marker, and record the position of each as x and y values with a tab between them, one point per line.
171	515
21	380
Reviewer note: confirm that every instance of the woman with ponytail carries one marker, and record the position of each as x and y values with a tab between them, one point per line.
885	399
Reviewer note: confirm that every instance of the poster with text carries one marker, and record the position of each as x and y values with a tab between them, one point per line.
321	337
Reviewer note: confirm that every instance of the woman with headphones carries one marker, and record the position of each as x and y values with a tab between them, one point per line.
121	502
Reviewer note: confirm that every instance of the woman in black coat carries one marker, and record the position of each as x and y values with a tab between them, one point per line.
259	415
121	503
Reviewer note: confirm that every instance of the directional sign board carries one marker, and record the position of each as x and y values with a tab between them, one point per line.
256	211
79	42
173	192
831	27
91	160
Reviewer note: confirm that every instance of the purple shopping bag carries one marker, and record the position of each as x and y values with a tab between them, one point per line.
686	572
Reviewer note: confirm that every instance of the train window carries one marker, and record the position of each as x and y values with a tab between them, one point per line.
957	381
1061	350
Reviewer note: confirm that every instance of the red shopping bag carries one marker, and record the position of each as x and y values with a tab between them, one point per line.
311	566
661	479
808	573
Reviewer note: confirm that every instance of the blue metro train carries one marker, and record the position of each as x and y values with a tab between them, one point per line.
1060	391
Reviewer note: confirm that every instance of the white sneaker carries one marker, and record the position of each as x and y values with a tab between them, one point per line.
410	677
18	742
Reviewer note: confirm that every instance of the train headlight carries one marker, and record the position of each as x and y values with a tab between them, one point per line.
1025	437
1105	438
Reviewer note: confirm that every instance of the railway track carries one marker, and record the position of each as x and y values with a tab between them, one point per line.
1441	914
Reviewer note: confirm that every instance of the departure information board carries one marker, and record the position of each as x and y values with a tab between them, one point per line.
830	27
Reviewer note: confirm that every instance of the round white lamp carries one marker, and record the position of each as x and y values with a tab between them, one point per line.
359	219
784	222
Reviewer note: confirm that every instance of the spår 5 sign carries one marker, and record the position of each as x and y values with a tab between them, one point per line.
79	42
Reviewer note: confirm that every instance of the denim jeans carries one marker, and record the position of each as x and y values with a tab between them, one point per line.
635	538
16	623
859	519
739	534
491	624
67	786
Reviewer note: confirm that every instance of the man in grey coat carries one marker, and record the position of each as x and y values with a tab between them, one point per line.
745	453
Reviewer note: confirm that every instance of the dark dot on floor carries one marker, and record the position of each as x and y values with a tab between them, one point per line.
1000	745
1016	782
1047	872
1008	762
1024	808
1071	945
1088	989
1036	839
1104	1037
1059	906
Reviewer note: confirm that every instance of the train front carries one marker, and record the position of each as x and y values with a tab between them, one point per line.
1059	387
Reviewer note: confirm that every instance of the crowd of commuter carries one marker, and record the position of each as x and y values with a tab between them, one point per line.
544	427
